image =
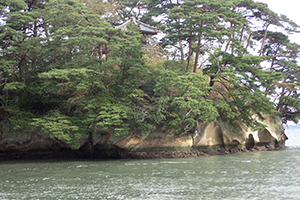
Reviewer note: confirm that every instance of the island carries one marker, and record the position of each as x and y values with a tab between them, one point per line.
145	79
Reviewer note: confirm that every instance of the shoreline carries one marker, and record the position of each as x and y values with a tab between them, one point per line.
106	154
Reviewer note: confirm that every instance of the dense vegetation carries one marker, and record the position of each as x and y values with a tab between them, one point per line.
65	68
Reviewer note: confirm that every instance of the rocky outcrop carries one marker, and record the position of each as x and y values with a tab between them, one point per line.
208	138
222	134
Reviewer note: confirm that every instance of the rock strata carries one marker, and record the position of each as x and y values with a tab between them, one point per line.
208	138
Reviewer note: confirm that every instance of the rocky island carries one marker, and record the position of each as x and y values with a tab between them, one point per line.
167	79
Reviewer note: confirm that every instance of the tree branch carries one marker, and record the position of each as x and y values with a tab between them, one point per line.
265	36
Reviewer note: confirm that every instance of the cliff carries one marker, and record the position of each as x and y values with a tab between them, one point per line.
208	138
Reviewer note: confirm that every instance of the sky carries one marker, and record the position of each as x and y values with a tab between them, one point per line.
290	8
286	7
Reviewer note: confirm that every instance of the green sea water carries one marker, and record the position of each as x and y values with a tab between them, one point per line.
256	175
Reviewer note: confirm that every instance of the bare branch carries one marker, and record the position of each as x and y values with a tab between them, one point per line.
78	22
188	113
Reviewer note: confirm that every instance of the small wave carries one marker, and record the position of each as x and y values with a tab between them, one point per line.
173	162
246	161
79	166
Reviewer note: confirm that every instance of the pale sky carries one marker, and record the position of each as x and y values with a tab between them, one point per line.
290	8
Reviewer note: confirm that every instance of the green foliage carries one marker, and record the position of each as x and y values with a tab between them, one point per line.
59	126
113	116
182	99
18	118
16	86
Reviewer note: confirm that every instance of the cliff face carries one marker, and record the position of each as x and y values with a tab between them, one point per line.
208	138
215	138
223	134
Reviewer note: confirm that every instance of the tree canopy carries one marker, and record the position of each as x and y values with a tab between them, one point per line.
65	68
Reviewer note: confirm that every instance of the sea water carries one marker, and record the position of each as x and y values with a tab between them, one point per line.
256	175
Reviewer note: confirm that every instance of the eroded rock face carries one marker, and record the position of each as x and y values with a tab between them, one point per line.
224	135
209	138
34	142
156	144
216	135
208	134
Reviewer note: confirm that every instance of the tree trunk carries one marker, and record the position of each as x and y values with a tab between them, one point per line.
181	50
263	42
100	52
198	48
190	52
106	52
